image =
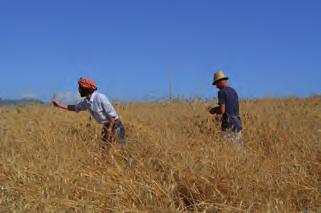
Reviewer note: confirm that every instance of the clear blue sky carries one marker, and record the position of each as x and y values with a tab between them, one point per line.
266	47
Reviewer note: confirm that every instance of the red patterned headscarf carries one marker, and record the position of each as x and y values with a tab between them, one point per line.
87	83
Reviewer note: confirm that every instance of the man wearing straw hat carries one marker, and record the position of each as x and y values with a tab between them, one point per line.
99	107
228	107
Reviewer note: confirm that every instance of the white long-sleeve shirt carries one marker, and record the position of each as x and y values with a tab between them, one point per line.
99	107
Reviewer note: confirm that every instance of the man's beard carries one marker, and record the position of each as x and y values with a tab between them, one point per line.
82	93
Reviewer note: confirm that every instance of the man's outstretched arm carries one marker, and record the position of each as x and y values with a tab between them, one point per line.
63	106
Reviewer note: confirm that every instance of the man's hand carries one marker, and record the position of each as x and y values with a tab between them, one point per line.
55	103
62	106
109	135
210	110
217	110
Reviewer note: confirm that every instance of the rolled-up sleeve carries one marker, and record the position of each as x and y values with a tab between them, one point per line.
107	106
81	106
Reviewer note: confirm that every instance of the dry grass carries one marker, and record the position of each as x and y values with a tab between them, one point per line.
175	160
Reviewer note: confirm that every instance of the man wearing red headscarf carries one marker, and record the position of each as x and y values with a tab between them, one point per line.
99	107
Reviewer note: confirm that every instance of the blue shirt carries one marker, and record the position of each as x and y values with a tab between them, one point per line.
99	107
231	118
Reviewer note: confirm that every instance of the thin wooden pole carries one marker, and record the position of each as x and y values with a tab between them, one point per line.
170	74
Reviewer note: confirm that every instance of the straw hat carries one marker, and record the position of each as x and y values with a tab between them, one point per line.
219	75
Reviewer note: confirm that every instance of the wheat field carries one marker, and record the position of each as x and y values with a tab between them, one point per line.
175	159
